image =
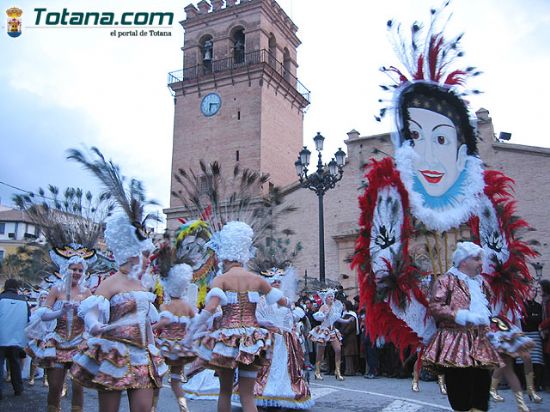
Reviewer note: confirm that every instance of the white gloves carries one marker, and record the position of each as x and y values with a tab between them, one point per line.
464	317
93	325
54	314
319	316
198	321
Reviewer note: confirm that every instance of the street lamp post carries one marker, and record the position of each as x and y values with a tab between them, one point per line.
323	179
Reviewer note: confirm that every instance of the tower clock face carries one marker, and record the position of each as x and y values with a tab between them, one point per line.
210	104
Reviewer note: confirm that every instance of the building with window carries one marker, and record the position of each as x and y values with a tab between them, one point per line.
16	229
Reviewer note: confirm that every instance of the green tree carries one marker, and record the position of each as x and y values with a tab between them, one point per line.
30	263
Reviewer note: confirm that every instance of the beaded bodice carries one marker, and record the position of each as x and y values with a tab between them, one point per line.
239	312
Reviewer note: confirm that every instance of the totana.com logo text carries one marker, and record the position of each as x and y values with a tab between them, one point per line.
44	17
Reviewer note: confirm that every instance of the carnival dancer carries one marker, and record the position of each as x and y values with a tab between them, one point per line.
175	317
121	353
281	383
511	343
35	333
72	226
240	343
329	313
56	351
461	348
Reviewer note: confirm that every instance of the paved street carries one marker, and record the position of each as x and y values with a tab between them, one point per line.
355	394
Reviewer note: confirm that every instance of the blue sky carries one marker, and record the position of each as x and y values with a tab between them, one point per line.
62	88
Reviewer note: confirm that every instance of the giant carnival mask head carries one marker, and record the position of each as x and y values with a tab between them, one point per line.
434	121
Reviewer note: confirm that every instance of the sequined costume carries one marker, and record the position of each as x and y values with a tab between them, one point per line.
61	340
170	340
240	339
280	383
454	345
124	356
326	332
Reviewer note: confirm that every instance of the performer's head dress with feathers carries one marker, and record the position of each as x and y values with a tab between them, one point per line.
72	222
126	232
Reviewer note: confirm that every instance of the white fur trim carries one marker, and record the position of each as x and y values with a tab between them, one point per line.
479	305
273	296
319	316
461	316
217	292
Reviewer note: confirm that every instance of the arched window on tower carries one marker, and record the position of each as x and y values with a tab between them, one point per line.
272	51
238	46
286	64
207	53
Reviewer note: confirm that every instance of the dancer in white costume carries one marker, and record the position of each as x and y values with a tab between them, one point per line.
281	383
121	353
175	317
329	313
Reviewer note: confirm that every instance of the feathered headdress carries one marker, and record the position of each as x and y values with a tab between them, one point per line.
126	235
71	222
326	292
426	56
217	198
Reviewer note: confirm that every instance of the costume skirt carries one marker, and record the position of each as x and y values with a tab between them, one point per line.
229	347
114	365
323	335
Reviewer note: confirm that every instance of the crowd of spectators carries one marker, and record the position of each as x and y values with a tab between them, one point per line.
361	354
373	358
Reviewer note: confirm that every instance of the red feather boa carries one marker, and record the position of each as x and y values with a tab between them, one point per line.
509	280
380	320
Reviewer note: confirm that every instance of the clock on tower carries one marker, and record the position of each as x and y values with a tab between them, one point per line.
237	98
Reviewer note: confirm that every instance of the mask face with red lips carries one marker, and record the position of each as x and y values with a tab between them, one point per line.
441	157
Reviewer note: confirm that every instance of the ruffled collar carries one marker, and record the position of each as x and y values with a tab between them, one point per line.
451	209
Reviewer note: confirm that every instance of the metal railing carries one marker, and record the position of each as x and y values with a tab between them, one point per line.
237	62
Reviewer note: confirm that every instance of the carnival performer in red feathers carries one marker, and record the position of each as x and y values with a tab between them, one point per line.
423	200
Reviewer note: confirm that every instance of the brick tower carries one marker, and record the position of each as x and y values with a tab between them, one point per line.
237	98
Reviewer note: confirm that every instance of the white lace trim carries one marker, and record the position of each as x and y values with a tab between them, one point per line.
175	319
478	301
133	295
217	292
233	297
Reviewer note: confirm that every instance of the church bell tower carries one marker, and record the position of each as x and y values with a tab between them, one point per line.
237	98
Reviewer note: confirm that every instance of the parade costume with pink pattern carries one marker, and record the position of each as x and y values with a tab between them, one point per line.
61	342
124	356
170	339
326	332
240	339
455	345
